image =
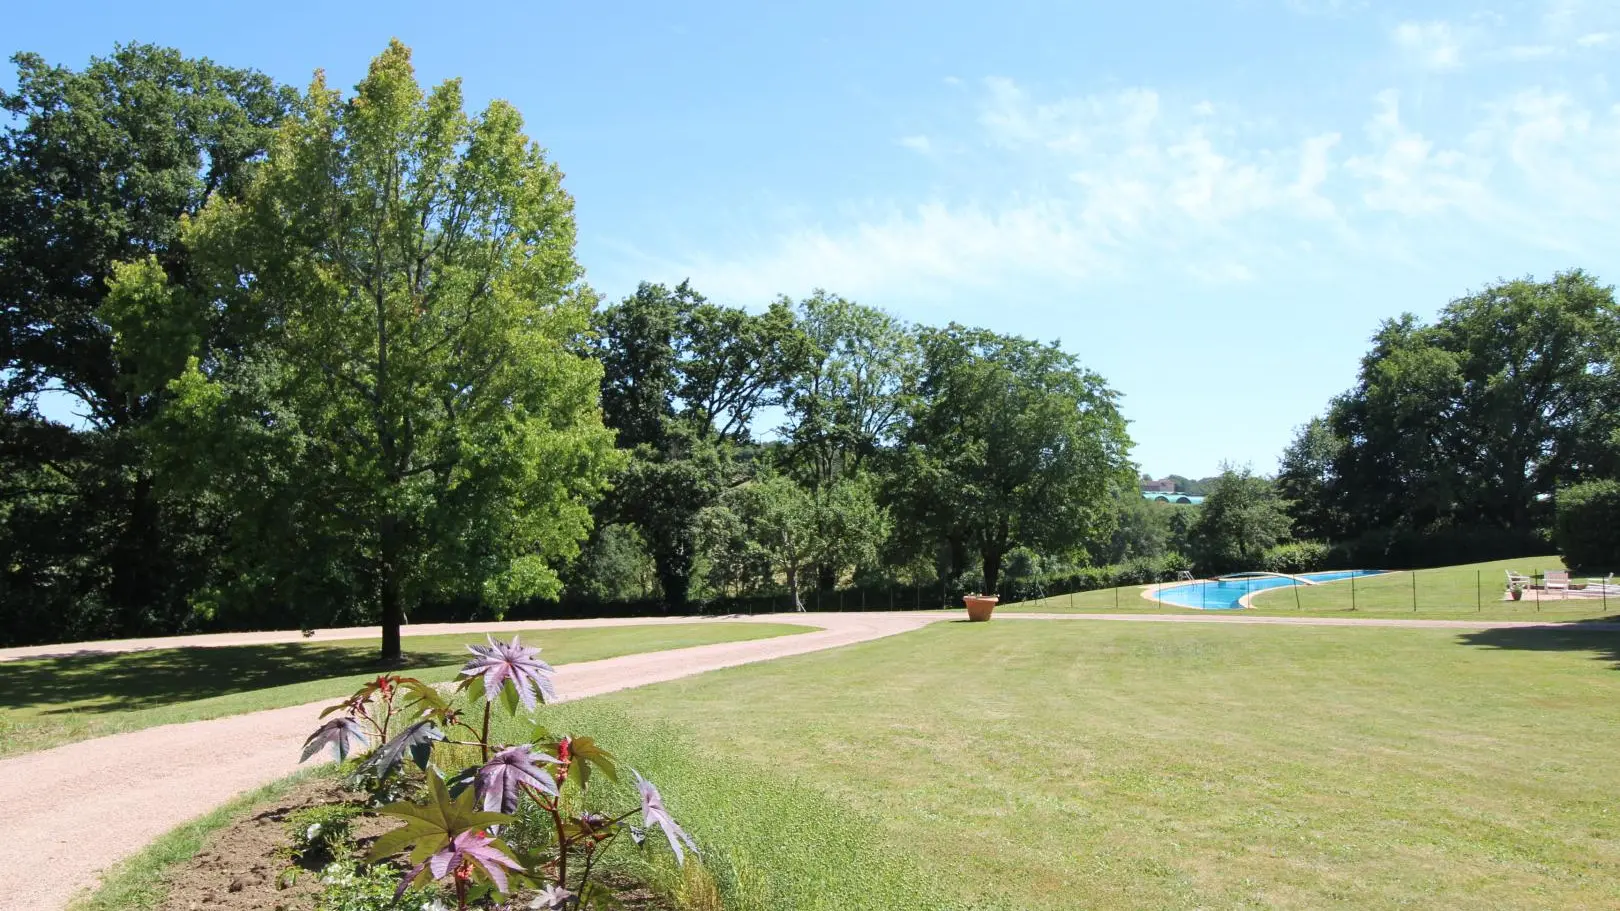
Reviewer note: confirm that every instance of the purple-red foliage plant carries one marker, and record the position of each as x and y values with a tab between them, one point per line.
456	836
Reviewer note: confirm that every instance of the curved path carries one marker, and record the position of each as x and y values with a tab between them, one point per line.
130	788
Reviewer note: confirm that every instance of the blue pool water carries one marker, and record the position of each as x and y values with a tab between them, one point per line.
1225	595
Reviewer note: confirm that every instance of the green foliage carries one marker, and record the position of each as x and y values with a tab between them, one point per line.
354	887
1011	443
1473	421
1240	520
1305	478
1587	527
406	415
682	381
321	832
1295	557
457	834
97	167
614	565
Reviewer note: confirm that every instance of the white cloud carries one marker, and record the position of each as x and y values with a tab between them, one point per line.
1523	52
1097	186
1594	39
1408	174
1436	44
919	144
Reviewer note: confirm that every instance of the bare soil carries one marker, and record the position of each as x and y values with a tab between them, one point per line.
245	865
241	866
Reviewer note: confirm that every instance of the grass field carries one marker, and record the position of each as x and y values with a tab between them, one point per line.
1446	592
45	702
1073	764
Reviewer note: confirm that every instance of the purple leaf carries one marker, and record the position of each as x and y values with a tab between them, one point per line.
653	814
502	662
474	848
343	734
500	779
418	739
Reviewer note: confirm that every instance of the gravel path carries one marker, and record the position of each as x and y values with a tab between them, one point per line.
131	788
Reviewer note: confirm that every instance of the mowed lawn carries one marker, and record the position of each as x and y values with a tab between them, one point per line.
1089	764
45	702
1468	592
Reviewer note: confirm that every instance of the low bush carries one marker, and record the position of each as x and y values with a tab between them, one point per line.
1444	545
1586	527
1295	557
321	834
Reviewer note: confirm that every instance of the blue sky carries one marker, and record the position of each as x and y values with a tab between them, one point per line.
1213	204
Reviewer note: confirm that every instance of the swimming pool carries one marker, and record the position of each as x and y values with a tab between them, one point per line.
1228	594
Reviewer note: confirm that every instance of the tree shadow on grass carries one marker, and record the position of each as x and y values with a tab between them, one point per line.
139	680
1597	636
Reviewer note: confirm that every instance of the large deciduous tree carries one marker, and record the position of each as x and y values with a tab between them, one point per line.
98	166
1475	420
1239	520
1012	443
407	412
683	380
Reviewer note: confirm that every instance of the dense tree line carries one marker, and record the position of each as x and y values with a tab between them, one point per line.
1458	434
334	361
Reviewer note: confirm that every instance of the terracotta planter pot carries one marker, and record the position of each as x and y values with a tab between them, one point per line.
979	606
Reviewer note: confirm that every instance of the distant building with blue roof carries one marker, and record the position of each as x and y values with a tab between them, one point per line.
1161	496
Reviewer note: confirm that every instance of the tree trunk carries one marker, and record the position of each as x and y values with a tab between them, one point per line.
992	568
793	587
674	579
958	557
826	577
392	591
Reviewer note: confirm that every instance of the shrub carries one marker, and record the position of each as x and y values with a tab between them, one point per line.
349	887
1295	557
1441	545
457	836
1587	525
321	834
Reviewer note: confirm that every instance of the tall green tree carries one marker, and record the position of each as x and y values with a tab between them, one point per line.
1306	478
845	409
1477	419
683	381
1239	520
410	409
98	166
1012	443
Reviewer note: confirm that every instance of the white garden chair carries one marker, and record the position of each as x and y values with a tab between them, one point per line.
1556	580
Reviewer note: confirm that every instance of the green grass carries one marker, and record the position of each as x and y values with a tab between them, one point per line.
50	701
1444	593
137	883
1121	765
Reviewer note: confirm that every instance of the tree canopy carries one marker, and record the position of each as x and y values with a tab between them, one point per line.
406	411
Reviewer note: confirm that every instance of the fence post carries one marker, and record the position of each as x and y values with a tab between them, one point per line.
1116	597
1352	592
1071	599
1414	591
1296	594
1479	593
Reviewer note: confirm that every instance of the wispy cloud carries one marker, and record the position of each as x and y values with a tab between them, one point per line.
1437	45
920	144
